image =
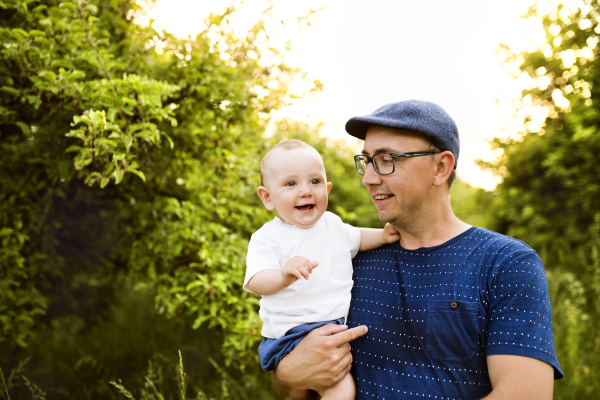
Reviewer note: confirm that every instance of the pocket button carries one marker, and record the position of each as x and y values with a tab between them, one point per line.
453	304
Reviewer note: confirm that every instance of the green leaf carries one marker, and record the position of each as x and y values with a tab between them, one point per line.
35	32
171	144
193	285
11	90
137	172
24	127
104	182
199	321
119	175
66	4
47	75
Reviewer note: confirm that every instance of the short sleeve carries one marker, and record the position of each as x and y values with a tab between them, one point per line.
263	253
353	235
519	314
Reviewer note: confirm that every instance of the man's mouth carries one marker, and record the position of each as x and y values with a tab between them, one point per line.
382	196
306	207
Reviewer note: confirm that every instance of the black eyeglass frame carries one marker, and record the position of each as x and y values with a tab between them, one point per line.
394	156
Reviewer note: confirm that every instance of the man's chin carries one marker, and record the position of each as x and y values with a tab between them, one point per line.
384	217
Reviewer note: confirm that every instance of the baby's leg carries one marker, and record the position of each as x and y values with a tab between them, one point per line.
344	390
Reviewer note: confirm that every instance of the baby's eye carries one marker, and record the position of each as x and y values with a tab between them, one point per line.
315	181
290	183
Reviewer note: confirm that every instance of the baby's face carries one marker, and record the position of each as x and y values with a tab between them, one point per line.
296	186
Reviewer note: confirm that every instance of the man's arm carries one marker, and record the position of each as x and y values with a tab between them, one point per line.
517	377
320	361
373	238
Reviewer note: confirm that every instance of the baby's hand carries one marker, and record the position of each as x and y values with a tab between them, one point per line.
391	234
297	268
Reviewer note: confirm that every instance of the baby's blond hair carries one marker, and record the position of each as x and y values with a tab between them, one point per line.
289	144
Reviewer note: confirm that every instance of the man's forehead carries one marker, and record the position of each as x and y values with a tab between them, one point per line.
383	139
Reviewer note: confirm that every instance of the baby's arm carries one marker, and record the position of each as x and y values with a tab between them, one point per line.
373	238
270	281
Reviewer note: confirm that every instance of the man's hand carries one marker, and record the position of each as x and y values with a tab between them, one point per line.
297	268
391	234
320	361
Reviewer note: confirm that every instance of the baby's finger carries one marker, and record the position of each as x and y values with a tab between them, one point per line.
313	265
304	271
296	273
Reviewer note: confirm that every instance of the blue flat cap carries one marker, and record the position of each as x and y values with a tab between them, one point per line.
418	116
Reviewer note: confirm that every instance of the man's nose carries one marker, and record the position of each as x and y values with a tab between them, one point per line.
371	177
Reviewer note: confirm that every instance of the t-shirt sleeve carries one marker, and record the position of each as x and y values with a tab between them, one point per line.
263	253
353	235
519	311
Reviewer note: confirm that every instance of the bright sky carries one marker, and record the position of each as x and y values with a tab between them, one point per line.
368	54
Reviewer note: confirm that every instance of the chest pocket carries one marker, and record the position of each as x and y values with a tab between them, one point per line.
452	330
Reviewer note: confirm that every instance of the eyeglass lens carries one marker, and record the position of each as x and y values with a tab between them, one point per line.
383	163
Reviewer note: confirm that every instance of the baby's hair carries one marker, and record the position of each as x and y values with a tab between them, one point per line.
289	144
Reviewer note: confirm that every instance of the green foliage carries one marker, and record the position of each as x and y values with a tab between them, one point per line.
552	175
550	197
470	204
129	343
230	388
86	98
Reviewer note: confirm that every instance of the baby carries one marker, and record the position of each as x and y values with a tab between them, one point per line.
301	262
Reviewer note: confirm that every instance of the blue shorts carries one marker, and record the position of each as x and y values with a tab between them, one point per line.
271	351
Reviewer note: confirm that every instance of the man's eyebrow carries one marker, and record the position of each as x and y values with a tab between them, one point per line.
380	150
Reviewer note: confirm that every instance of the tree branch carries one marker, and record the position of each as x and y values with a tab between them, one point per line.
89	39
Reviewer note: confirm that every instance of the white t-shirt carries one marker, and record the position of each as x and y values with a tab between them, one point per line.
325	295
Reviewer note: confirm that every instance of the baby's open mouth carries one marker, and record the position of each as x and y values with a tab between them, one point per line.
306	207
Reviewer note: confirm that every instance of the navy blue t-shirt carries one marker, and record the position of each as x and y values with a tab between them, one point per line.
434	314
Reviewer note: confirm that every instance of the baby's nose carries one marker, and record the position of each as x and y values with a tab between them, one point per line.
305	191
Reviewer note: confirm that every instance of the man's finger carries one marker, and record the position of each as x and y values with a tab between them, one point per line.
346	364
328	330
350	334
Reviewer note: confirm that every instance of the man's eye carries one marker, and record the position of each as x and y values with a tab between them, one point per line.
315	181
290	183
386	159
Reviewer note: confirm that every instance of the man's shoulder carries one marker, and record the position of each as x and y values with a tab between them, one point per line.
381	253
496	242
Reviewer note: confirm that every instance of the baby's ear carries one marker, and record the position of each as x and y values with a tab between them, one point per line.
264	195
328	187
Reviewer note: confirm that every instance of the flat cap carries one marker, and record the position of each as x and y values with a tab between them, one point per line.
418	116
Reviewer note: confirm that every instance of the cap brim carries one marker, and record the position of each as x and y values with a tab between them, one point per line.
358	126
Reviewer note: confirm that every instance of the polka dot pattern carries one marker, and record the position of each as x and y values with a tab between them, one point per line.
435	314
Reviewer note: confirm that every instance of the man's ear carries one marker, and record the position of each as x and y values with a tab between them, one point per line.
264	195
444	165
328	187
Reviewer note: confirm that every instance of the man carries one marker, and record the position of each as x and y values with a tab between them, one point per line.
452	311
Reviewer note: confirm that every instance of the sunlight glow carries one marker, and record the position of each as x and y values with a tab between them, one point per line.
370	54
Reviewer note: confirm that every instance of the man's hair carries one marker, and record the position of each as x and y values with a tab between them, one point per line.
289	144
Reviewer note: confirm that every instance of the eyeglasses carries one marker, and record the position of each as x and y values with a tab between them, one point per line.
385	163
